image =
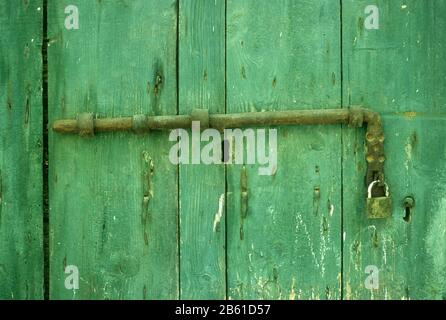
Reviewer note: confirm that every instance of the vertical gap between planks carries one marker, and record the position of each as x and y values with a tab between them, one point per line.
225	166
178	166
342	148
45	193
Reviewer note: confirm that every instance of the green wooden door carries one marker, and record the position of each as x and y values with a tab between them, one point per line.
113	198
201	82
400	71
132	225
286	55
21	146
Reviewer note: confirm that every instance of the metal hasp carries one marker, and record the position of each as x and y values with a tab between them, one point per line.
87	125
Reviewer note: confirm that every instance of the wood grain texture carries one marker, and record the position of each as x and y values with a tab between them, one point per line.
21	215
202	187
398	70
113	197
285	55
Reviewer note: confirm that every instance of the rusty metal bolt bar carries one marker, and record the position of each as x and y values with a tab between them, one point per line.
87	125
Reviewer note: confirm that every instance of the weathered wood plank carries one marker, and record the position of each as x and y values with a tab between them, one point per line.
399	70
202	187
285	55
21	236
113	197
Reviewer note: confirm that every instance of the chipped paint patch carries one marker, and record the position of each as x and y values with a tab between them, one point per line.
384	241
437	234
219	214
348	291
339	278
331	210
319	262
322	249
307	234
293	288
408	150
273	214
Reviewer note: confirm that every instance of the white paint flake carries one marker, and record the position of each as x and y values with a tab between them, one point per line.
331	210
219	214
408	150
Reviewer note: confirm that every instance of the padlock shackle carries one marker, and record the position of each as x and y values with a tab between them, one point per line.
369	189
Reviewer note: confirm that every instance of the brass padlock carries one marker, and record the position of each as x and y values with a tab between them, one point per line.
378	207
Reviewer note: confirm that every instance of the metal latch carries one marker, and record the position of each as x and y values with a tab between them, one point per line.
87	124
